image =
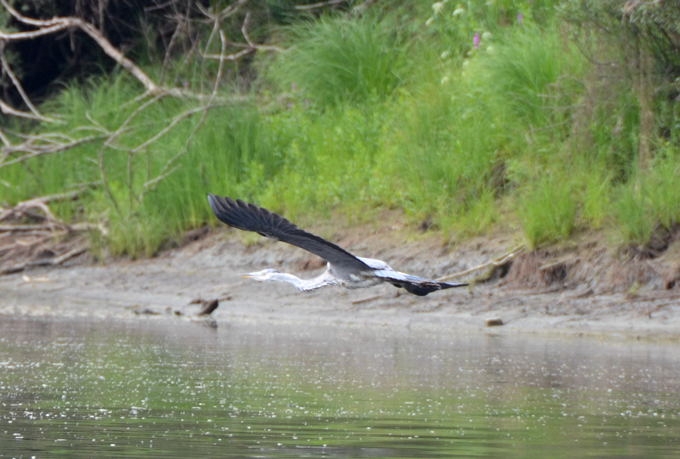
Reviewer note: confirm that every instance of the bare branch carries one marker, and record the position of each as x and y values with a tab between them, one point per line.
44	239
244	32
169	166
177	119
45	261
17	85
39	149
361	8
7	110
6	142
32	219
56	24
491	266
230	57
248	47
225	13
40	203
314	6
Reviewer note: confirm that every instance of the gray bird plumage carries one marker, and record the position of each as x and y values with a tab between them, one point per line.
342	268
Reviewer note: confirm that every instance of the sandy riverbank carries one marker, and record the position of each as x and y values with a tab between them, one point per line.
581	290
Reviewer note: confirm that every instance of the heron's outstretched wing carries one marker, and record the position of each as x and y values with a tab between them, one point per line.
414	284
250	217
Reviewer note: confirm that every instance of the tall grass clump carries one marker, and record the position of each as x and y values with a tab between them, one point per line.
342	60
330	162
82	112
649	200
146	175
605	126
457	113
547	209
440	152
533	72
477	129
635	227
233	153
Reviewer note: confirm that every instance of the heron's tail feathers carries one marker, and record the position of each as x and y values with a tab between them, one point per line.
424	288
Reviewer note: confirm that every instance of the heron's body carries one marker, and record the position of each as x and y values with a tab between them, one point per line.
342	267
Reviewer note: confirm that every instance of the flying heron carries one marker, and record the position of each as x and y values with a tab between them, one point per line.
342	267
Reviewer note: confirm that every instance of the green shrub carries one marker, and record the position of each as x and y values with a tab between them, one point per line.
634	224
532	71
520	126
547	209
335	60
330	162
649	199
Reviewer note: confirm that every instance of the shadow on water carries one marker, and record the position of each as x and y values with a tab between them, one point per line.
168	388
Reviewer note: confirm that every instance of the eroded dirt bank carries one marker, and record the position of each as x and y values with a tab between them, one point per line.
582	289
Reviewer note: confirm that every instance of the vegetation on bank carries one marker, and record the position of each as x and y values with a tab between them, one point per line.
468	116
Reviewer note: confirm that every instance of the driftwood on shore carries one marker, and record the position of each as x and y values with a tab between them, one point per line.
491	269
30	235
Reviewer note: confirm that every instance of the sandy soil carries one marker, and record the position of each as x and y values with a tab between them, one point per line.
584	289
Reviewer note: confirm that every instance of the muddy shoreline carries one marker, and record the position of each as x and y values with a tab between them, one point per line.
583	290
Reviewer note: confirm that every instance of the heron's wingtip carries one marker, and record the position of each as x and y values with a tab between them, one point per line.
213	199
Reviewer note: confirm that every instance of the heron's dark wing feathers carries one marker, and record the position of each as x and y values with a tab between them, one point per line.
414	284
249	217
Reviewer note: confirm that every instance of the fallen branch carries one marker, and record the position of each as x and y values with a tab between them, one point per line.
32	233
10	111
23	207
20	228
45	261
366	300
491	266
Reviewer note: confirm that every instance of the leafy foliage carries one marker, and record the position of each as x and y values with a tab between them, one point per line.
467	116
337	60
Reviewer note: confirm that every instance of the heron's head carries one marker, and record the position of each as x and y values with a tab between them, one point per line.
263	275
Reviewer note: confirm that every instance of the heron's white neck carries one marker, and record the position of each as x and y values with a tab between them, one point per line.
286	277
302	284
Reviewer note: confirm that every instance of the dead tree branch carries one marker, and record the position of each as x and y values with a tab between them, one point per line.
30	234
36	146
490	267
29	230
247	48
49	26
318	5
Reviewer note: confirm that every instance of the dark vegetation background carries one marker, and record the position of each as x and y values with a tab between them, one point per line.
546	118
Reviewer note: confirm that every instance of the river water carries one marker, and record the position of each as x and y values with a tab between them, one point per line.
165	387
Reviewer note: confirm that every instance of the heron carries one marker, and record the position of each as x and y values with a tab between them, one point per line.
342	268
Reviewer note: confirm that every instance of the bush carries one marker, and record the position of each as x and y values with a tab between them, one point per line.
336	60
547	209
650	200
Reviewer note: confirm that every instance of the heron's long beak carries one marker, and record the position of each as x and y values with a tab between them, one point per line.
247	276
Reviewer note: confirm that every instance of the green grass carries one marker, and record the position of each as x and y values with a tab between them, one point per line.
338	60
330	163
547	209
649	199
529	70
514	133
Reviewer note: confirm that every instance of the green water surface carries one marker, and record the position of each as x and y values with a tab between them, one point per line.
164	387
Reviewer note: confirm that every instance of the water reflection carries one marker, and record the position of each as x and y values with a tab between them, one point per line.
165	388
